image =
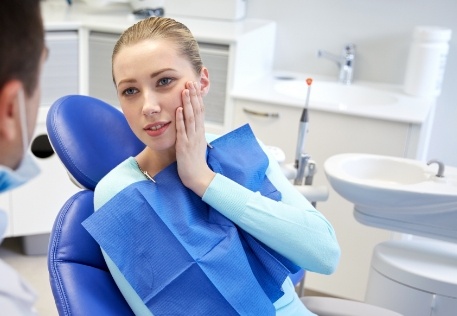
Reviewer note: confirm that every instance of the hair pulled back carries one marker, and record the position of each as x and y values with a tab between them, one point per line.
161	28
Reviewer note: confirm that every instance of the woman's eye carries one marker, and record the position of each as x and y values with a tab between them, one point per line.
130	91
164	81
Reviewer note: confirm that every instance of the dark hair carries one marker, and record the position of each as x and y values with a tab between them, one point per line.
21	42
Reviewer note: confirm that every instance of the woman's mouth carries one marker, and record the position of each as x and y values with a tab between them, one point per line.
156	129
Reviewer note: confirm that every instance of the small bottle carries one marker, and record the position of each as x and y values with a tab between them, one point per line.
427	61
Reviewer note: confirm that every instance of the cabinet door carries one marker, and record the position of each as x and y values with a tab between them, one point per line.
215	58
330	134
101	84
60	75
273	125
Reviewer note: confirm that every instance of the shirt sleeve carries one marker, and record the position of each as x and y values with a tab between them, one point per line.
292	226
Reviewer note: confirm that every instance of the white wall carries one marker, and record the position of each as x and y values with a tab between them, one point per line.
382	31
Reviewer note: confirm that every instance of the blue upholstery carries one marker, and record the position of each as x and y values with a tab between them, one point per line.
90	137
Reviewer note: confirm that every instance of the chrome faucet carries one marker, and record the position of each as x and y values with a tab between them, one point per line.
345	62
440	164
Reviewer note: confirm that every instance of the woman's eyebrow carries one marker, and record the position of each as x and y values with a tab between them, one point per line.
158	72
126	81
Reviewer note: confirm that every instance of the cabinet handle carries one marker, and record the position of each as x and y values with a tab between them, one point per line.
263	114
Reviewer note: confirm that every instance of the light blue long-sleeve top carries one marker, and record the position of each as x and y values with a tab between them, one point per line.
292	226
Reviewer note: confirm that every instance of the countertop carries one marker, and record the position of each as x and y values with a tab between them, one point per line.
406	109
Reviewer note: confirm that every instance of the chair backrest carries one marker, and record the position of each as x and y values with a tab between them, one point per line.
90	137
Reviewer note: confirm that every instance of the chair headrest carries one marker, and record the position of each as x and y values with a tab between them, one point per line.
90	137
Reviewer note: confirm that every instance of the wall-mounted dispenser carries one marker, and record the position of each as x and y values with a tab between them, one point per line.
427	61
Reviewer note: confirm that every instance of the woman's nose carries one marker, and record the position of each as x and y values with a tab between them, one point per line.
150	106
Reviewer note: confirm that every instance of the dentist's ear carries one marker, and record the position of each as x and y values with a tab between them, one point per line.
204	81
9	109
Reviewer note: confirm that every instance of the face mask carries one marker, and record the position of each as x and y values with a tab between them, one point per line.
28	168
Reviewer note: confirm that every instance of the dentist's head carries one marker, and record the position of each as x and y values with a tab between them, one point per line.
22	53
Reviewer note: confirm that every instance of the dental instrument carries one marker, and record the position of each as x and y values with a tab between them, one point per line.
300	155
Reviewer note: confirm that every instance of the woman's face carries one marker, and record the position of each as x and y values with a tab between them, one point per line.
150	77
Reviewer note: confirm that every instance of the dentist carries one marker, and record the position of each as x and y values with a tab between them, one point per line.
22	53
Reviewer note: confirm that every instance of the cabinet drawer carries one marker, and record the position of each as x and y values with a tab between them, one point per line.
272	124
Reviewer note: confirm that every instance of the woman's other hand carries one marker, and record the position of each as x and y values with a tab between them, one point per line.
191	142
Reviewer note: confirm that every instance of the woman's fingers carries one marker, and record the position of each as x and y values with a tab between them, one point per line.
193	108
189	118
180	124
199	110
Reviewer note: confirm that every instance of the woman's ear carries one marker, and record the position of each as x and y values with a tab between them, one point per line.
9	111
204	81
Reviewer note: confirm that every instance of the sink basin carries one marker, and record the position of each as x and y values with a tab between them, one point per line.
341	95
398	194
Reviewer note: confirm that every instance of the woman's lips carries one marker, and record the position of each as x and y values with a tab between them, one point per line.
156	129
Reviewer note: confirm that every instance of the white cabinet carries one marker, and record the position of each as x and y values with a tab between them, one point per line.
32	208
329	134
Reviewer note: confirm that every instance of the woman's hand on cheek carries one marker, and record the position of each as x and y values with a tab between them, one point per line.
191	142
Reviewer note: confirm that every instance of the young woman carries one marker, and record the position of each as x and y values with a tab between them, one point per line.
197	224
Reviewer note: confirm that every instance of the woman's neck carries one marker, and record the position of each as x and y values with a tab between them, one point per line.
155	161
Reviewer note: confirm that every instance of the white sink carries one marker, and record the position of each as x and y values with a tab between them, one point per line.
398	194
342	96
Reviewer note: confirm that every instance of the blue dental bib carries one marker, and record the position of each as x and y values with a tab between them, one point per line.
182	256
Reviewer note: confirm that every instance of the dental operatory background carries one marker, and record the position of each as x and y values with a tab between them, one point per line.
382	33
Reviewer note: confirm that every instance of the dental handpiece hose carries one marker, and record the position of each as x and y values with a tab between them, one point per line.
303	128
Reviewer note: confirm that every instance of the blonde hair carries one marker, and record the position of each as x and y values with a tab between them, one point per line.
162	28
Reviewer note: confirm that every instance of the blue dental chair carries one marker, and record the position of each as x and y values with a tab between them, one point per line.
90	137
78	127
